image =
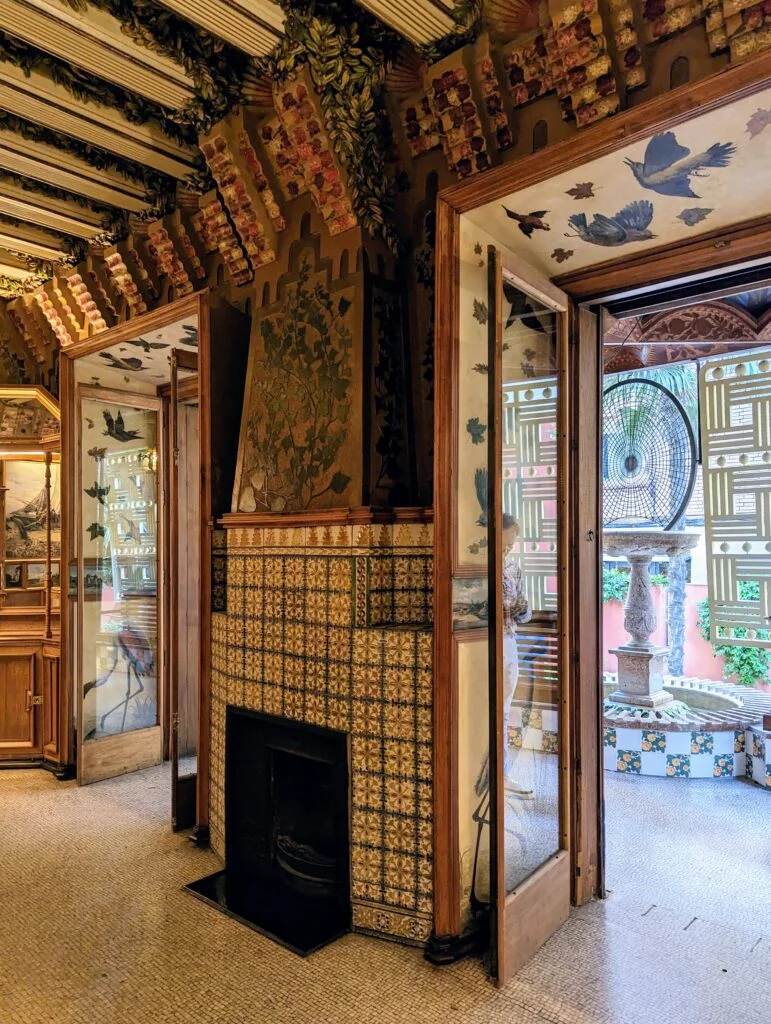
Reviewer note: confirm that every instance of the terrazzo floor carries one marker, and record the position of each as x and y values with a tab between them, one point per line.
96	929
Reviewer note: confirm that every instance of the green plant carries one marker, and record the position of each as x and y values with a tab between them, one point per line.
615	583
745	664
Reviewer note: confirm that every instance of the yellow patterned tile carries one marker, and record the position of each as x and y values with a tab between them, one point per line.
400	869
340	644
339	716
272	700
399	684
400	834
400	758
368	791
367	753
294	704
315	708
400	796
399	722
366	717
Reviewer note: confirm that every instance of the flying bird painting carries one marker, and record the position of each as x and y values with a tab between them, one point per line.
97	453
668	167
120	363
116	428
521	309
100	493
693	215
632	224
96	530
145	345
480	486
529	222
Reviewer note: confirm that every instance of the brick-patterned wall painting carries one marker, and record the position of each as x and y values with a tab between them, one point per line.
333	626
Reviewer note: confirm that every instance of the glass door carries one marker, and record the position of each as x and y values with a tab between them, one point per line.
528	601
116	583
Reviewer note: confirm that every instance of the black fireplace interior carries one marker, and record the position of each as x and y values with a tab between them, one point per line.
287	837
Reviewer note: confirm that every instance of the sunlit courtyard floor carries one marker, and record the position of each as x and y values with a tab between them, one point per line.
97	929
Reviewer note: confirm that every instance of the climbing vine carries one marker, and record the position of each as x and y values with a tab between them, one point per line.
347	61
216	68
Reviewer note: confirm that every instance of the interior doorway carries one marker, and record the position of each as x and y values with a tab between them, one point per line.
685	465
134	541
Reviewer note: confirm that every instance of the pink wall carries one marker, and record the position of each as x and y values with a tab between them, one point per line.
699	659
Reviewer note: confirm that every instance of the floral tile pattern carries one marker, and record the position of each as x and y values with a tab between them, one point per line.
629	761
654	741
550	742
739	741
702	742
759	747
678	765
609	737
532	717
294	642
724	766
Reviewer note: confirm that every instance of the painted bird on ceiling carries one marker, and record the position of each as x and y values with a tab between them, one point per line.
632	224
145	345
521	309
528	222
123	363
116	428
668	167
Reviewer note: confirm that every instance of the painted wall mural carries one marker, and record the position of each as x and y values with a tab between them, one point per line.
302	424
25	510
706	174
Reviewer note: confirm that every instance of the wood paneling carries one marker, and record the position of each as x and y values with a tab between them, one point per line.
19	731
535	910
126	752
51	691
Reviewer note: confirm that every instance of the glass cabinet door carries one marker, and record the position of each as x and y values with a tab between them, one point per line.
117	584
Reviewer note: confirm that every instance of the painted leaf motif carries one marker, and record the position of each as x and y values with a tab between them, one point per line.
560	255
758	121
583	190
693	215
480	311
476	430
339	482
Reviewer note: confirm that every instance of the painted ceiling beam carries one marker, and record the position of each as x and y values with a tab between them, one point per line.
42	167
420	21
19	240
15	269
48	213
49	154
92	40
37	98
253	26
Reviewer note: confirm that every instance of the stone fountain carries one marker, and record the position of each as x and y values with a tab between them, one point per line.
640	662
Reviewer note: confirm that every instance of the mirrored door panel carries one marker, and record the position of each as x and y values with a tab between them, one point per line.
118	548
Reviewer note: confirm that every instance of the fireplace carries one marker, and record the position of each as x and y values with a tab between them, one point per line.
287	836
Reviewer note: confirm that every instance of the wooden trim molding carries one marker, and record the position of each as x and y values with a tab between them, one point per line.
357	516
447	875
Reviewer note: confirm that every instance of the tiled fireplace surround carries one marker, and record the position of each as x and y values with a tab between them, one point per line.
332	625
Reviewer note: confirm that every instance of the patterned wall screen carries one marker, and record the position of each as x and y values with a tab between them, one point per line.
735	399
530	483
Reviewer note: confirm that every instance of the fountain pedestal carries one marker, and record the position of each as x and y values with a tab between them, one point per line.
640	662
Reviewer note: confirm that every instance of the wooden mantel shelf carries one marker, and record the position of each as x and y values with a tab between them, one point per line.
359	516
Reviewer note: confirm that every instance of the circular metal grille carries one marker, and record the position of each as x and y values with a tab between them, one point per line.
648	455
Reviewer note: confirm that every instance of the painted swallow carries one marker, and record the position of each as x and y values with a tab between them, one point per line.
116	428
131	363
147	346
100	493
96	530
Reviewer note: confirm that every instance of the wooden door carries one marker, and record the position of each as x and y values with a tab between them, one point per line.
120	644
529	581
20	701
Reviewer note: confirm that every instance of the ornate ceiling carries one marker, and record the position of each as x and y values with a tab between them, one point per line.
102	103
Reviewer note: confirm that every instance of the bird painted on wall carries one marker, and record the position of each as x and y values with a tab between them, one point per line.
145	345
96	530
133	648
529	222
100	493
480	486
116	428
668	167
521	309
628	225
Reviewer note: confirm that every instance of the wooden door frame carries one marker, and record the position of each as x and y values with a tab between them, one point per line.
745	241
197	304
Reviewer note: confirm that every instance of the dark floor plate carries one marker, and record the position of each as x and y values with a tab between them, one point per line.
211	890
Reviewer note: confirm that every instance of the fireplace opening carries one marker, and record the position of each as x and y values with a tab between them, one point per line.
287	833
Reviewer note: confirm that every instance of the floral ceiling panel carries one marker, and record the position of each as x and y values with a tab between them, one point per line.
708	173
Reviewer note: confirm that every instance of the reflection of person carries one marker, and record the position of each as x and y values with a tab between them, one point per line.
516	611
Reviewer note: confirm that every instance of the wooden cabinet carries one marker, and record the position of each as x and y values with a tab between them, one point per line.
20	700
